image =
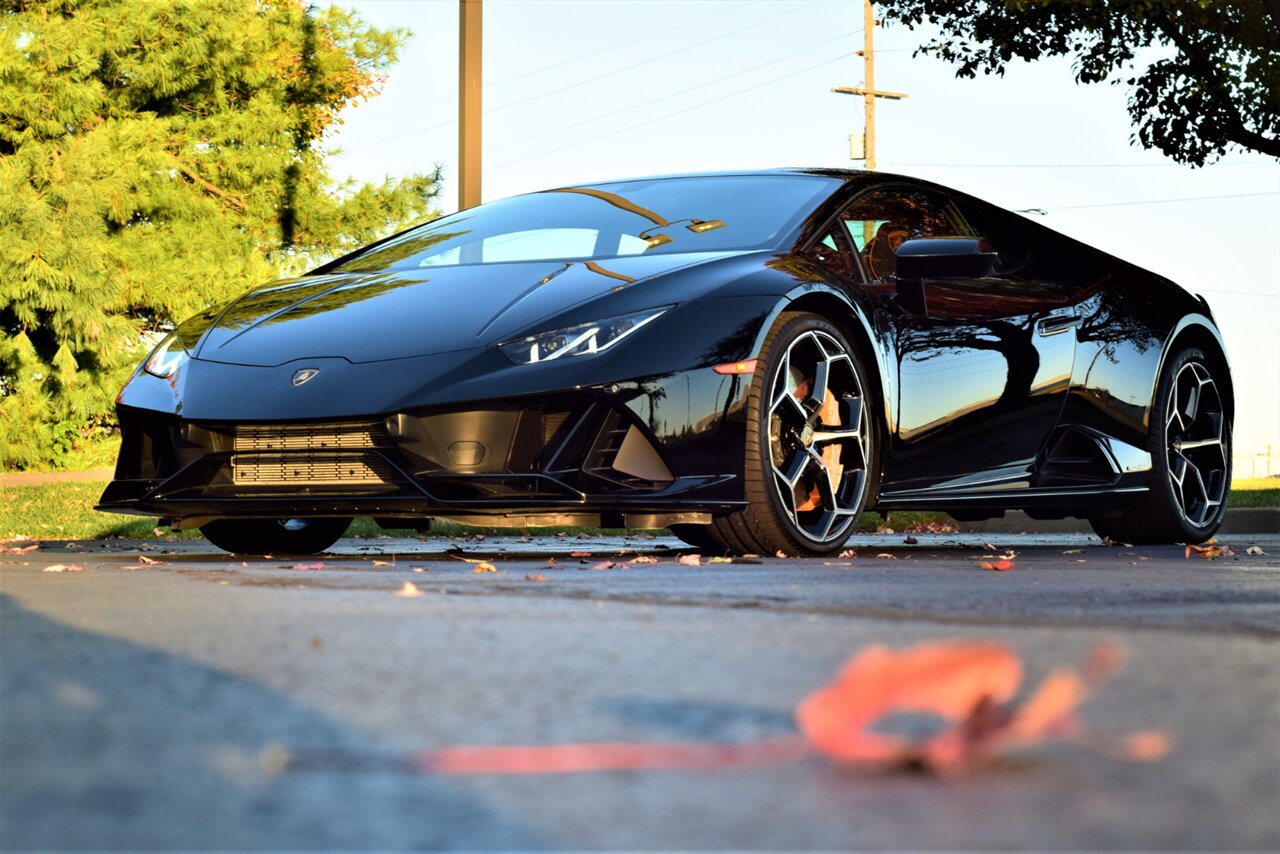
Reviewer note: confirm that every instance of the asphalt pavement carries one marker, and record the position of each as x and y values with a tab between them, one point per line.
167	696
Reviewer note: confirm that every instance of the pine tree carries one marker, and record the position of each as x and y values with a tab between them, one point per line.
158	157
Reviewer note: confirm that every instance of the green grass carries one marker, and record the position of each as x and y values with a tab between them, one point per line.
1254	497
65	511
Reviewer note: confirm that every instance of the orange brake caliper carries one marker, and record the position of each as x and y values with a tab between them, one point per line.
828	416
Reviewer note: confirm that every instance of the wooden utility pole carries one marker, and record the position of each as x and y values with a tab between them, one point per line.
868	91
469	71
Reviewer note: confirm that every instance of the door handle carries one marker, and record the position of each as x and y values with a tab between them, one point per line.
1056	325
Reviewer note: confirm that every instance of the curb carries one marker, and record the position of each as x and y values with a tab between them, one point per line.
1237	520
38	478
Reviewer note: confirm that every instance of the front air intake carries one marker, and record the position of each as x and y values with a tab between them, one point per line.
309	469
310	437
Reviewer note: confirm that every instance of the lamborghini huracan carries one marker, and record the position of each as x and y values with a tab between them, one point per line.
751	360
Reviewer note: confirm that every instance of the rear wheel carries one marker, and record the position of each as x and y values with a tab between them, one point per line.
810	444
1190	444
275	536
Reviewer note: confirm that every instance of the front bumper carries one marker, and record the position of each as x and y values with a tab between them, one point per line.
657	447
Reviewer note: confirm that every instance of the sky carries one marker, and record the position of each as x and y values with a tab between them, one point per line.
584	90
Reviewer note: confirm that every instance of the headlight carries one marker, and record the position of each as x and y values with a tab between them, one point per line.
585	339
166	358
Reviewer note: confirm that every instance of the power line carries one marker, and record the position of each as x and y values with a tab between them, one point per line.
790	11
674	113
1160	201
661	98
525	74
1238	294
1057	165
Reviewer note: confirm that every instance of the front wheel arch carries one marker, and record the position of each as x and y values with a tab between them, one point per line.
838	310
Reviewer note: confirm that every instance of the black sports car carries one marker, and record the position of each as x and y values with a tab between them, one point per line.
750	359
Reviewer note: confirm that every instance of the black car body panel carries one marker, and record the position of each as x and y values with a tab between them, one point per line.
1028	385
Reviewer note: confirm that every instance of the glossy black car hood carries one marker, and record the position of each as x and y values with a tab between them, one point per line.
370	317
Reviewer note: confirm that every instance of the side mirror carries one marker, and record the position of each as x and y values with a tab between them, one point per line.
945	258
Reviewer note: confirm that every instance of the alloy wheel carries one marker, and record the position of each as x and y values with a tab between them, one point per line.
818	437
1196	447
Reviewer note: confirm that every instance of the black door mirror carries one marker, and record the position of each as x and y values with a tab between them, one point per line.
945	258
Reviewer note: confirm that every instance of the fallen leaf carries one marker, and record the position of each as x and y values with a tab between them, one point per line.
306	566
720	560
535	577
12	550
644	559
1206	552
970	686
1074	552
383	563
409	590
63	567
579	554
999	565
886	556
484	567
848	553
689	560
608	564
1254	550
780	553
146	561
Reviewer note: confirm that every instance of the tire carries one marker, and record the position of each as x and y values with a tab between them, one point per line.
699	536
1190	444
809	413
275	536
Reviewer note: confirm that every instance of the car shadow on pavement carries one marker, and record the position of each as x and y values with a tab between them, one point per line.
109	744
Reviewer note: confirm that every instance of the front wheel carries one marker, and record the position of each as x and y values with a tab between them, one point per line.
1190	444
275	536
810	444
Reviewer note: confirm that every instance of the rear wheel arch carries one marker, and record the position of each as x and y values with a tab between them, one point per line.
1198	331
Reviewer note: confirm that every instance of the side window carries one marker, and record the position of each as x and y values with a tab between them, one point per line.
881	221
1009	234
832	251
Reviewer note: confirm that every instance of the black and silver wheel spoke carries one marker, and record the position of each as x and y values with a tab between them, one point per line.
820	488
1197	448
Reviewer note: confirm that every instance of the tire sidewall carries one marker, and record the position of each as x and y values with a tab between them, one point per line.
1158	446
791	326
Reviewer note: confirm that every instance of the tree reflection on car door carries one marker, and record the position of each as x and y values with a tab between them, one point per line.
983	360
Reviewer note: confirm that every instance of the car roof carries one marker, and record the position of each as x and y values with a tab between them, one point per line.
820	171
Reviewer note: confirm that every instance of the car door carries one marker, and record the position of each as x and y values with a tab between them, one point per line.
983	362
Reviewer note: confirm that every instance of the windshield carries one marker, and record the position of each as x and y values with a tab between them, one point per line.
652	217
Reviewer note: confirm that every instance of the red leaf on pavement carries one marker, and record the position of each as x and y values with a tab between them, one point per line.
970	687
999	565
